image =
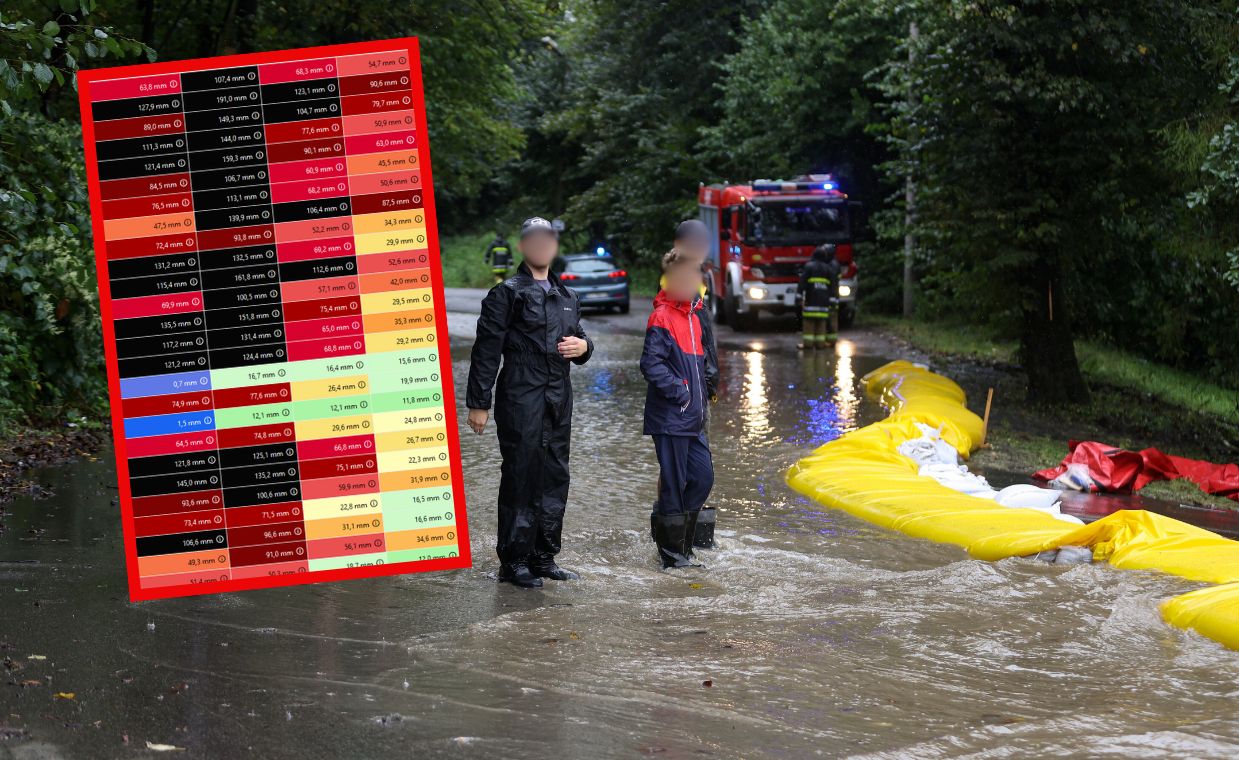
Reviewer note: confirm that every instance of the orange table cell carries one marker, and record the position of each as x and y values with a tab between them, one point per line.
335	527
421	539
372	263
391	161
185	579
148	226
398	320
314	229
367	123
185	562
406	280
410	479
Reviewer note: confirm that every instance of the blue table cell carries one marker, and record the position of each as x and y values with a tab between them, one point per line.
165	424
164	385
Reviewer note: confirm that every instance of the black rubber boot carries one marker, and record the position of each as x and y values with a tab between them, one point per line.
518	574
690	532
545	567
703	536
672	539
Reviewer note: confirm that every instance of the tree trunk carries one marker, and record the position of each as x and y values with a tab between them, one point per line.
1047	350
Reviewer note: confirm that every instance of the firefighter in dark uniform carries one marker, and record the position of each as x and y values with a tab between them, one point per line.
531	322
499	257
819	294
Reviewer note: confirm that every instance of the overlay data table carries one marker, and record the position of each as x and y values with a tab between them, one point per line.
273	319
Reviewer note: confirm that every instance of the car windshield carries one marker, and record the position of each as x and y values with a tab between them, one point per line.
585	266
802	222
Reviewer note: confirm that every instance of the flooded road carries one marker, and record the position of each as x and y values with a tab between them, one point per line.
811	634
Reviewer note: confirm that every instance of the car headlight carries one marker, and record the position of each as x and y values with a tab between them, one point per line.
757	293
845	291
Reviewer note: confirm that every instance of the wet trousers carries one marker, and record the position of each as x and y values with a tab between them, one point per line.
819	326
686	472
533	491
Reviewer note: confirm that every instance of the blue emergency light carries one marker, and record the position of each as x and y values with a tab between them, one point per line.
601	251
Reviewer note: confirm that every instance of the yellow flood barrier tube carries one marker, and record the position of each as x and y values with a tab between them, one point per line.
863	473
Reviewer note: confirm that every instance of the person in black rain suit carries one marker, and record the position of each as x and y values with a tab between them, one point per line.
819	293
532	322
499	257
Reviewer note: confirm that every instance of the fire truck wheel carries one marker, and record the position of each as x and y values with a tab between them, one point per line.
740	321
717	312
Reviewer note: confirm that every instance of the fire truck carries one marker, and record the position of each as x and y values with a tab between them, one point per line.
763	233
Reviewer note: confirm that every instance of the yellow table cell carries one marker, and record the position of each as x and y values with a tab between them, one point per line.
306	390
341	506
386	242
408	439
404	340
391	221
413	419
333	426
421	539
415	458
400	300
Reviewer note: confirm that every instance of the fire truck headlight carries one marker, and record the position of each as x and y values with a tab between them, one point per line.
845	291
757	293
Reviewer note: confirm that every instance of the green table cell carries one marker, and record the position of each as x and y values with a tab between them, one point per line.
355	560
417	509
418	555
399	401
246	416
322	408
239	377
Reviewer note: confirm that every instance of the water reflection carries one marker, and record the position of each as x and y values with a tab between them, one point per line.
756	406
847	400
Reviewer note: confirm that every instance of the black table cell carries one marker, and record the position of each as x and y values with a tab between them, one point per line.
222	218
305	90
249	456
236	137
205	200
229	158
140	147
339	266
248	356
188	482
157	285
173	464
143	167
233	178
196	121
176	543
159	325
257	295
223	319
239	276
128	108
163	365
161	345
319	208
266	474
266	494
148	266
227	258
230	97
237	337
301	109
215	79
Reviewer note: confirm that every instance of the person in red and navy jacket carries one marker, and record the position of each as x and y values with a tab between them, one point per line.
674	365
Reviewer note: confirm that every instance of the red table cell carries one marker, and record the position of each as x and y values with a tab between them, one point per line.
317	329
368	83
322	349
149	205
132	248
262	514
296	71
315	169
378	202
329	187
262	555
177	503
175	443
258	535
268	571
179	522
310	290
383	101
236	237
325	448
329	488
135	87
379	142
307	250
149	306
257	435
327	307
346	546
135	187
184	579
315	229
372	63
305	151
296	131
338	467
227	398
145	406
384	121
377	263
141	126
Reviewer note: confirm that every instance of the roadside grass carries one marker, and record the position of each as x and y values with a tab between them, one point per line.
1102	365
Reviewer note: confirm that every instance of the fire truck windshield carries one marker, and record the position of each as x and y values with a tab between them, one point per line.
796	222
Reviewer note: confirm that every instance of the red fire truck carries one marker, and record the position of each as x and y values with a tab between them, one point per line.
763	233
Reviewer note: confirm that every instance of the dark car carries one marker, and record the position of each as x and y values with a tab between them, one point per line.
596	278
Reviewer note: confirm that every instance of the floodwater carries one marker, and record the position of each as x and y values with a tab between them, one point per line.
811	634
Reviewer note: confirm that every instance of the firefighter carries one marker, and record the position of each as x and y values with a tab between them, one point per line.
819	297
499	257
531	322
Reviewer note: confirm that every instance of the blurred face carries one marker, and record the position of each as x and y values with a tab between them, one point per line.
683	281
696	246
539	249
